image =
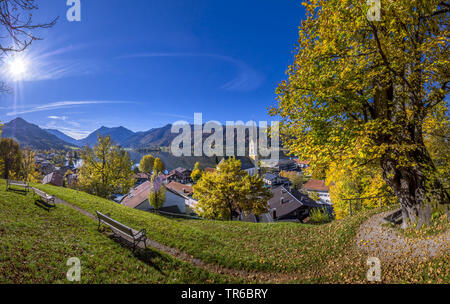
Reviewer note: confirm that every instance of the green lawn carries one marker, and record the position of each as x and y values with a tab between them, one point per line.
270	247
36	244
318	253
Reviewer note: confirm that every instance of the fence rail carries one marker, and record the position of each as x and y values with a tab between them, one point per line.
356	199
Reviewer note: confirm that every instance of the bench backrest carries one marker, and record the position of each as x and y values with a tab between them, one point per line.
40	192
115	224
17	182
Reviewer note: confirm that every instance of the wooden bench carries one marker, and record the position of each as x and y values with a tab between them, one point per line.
10	183
119	228
49	199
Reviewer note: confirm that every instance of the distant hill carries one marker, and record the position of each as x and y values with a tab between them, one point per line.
34	137
63	137
30	135
161	137
118	135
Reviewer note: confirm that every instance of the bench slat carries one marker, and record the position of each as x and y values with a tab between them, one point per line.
115	224
137	236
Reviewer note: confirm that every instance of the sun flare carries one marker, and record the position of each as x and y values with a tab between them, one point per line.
18	68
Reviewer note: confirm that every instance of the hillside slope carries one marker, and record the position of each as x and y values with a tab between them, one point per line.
323	253
35	245
118	135
30	135
63	137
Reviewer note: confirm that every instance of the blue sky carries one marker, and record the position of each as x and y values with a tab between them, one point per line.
143	64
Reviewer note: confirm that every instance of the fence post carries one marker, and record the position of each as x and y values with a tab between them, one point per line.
350	207
379	203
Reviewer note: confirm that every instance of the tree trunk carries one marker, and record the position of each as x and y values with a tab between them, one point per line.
6	170
416	186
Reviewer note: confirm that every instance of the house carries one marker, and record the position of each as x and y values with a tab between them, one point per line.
273	180
284	205
183	191
279	165
180	188
71	179
141	178
290	205
46	168
62	170
177	197
320	188
180	175
302	164
54	178
210	170
246	164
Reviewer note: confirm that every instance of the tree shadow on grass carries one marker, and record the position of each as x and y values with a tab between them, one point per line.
149	256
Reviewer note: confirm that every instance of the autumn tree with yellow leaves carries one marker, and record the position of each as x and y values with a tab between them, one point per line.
106	169
220	194
360	92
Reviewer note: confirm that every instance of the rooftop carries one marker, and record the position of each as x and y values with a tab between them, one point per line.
316	185
180	188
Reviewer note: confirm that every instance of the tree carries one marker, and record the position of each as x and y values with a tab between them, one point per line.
106	169
28	168
437	141
295	178
146	164
196	172
314	196
229	189
158	166
10	157
348	182
157	193
361	90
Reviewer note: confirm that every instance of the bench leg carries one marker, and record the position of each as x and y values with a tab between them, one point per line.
134	245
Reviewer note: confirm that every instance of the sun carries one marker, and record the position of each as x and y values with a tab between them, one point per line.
18	67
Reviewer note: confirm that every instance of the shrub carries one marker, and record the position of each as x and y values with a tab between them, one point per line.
320	216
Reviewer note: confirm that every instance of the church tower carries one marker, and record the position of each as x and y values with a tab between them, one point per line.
253	147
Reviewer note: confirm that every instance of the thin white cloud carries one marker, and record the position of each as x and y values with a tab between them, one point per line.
75	133
247	79
57	117
63	104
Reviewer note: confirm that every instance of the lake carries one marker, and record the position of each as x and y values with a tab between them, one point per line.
172	162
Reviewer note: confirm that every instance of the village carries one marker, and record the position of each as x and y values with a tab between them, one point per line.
291	200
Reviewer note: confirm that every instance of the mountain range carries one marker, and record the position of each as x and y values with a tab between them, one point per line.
32	136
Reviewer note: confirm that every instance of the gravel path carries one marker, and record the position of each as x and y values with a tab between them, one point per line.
388	245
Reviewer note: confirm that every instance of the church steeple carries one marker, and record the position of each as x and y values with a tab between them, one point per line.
253	147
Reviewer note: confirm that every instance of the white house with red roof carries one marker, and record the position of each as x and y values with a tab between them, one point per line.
319	186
